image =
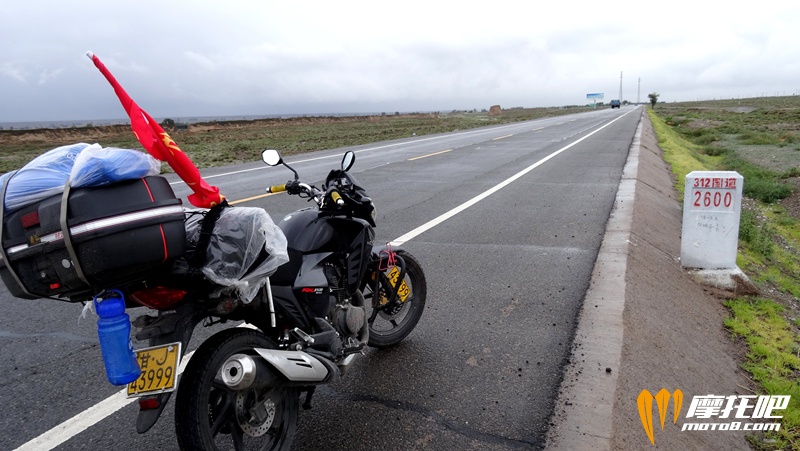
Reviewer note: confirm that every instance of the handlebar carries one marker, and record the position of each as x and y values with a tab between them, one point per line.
340	193
337	198
296	187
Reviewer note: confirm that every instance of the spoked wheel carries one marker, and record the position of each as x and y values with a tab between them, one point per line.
394	321
209	415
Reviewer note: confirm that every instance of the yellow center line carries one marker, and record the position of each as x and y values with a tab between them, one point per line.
430	155
502	137
537	129
261	196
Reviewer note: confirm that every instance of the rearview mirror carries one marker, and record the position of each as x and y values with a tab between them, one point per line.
348	160
271	157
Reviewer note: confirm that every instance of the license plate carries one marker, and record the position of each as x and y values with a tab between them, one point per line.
403	292
159	366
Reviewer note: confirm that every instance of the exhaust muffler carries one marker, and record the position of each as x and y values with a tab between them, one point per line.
242	371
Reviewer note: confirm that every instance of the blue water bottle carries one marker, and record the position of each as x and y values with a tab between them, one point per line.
114	331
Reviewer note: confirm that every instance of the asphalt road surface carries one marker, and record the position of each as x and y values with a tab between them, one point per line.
506	221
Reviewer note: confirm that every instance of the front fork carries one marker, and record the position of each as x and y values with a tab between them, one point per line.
383	259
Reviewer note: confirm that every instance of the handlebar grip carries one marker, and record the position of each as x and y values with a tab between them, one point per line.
276	188
337	198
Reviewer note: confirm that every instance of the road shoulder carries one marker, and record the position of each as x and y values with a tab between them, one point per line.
667	333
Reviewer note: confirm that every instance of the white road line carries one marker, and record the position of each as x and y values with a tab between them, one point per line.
86	419
444	217
78	423
385	146
93	415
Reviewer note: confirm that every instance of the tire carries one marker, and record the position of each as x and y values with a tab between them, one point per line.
211	416
391	327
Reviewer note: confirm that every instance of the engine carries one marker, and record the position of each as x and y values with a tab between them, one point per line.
349	320
348	316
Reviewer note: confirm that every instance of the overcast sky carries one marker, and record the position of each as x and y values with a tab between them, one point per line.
242	57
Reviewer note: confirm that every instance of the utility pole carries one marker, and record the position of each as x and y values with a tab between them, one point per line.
638	90
620	87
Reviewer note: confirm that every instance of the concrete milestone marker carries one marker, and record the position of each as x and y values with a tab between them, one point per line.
712	206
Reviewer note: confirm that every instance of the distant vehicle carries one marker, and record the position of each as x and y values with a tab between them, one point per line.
614	104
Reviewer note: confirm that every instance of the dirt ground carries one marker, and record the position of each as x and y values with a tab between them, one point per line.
792	203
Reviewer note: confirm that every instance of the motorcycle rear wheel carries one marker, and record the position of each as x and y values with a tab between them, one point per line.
392	325
211	416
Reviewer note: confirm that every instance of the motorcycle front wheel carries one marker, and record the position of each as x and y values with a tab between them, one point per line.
392	323
209	415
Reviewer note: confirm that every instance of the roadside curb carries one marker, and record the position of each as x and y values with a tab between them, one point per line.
583	410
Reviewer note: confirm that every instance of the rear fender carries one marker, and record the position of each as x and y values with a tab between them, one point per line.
178	326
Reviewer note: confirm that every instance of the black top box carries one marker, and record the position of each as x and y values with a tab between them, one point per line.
120	233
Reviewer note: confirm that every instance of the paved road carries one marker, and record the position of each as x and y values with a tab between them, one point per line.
507	275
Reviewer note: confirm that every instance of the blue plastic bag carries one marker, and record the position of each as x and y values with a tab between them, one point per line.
97	166
87	165
43	177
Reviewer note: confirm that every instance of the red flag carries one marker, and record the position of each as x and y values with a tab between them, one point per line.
161	146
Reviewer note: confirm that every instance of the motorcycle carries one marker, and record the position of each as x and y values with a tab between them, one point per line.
338	294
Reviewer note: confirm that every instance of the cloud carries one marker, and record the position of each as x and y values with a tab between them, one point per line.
251	57
14	71
49	75
203	61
